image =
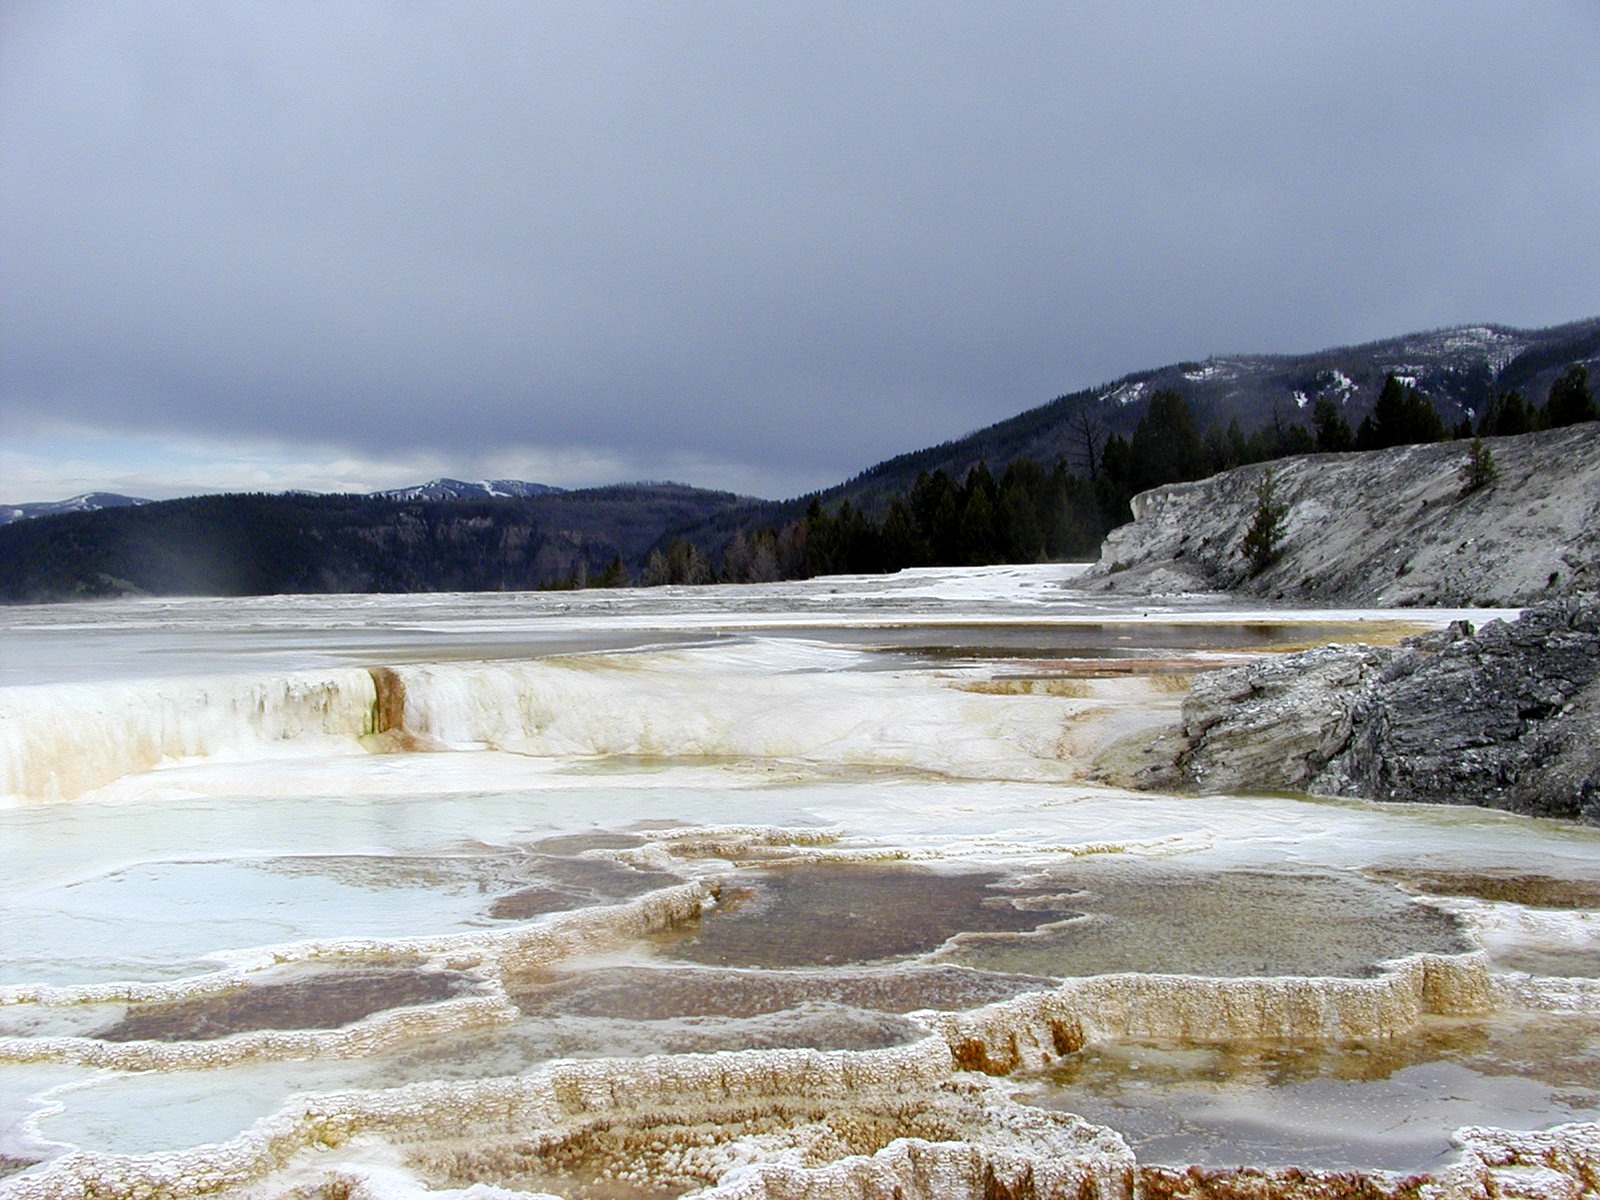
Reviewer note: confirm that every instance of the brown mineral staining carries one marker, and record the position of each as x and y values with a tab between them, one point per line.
577	843
560	884
975	1054
324	1000
1508	886
389	710
1011	685
629	1159
1066	1037
827	914
1224	924
534	902
1023	1185
667	993
1289	1183
604	877
1090	918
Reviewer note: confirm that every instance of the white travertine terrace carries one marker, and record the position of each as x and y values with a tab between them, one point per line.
1035	1029
796	1122
757	1124
58	741
490	954
743	751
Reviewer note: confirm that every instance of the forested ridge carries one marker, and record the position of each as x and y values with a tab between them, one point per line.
1059	480
260	544
1032	514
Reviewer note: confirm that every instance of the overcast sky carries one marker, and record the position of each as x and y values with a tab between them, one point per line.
346	245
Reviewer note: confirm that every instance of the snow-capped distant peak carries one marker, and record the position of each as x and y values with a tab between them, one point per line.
85	502
457	489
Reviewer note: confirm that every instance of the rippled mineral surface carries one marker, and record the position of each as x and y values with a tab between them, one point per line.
779	891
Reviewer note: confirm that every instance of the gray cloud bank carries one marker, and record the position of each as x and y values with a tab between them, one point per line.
779	241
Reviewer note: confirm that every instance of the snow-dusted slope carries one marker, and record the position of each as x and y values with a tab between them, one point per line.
1458	370
87	502
456	489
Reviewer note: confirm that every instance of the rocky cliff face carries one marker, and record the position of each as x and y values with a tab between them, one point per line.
1387	528
1507	717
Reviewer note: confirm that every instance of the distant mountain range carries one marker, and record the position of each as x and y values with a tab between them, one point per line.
434	489
455	489
88	502
246	545
451	534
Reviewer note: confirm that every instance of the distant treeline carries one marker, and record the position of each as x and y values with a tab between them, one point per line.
1062	512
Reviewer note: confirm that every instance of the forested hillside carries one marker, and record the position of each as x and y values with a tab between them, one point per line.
1046	484
1460	373
1031	513
265	544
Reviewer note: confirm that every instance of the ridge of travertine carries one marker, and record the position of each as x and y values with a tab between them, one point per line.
1385	528
920	1120
758	1125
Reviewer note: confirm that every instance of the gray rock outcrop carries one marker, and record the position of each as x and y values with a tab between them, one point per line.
1507	717
1388	528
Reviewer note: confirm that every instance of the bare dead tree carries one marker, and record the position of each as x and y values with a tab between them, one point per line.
1089	433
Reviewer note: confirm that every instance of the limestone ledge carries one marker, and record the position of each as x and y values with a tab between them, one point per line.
1389	528
1034	1030
370	1035
759	1125
561	1097
489	954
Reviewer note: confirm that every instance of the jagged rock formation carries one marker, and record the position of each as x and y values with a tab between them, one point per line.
1507	717
1392	527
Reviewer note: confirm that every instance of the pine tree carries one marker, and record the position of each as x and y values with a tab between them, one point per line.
1332	430
980	545
1166	446
1505	415
1262	540
1479	469
903	546
1570	401
1400	417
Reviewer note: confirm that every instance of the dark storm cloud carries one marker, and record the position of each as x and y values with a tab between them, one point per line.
784	239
